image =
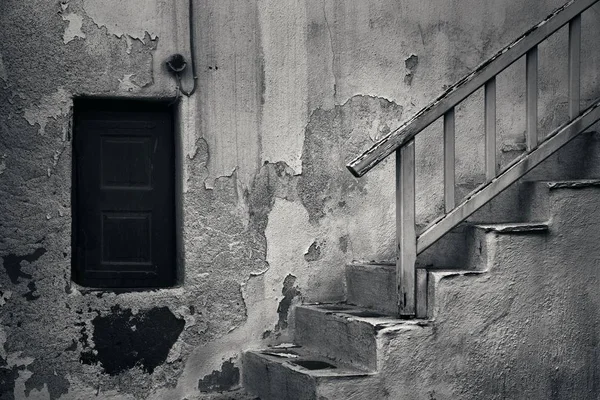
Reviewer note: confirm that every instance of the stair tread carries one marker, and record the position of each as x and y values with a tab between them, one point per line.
513	227
450	272
373	264
288	357
572	183
377	319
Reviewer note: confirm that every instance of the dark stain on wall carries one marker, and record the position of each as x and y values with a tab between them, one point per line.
123	340
12	264
31	295
314	252
218	381
343	243
42	375
289	291
411	64
8	376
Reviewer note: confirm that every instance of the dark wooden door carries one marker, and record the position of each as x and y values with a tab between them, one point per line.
124	214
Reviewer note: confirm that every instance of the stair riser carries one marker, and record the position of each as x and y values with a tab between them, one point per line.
372	288
345	339
269	380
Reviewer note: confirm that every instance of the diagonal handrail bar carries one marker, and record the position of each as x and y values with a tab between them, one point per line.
466	86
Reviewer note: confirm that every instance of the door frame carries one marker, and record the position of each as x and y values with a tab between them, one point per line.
174	106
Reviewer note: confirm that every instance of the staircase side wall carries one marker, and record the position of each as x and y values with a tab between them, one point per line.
527	329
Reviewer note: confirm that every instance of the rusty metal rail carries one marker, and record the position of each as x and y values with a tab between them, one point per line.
401	141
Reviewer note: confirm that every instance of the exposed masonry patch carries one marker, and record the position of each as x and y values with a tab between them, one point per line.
289	292
12	264
123	340
218	381
332	136
411	64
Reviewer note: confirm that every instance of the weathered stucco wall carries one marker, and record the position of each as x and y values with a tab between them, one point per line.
287	92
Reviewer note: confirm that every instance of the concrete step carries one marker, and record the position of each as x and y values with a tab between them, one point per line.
373	285
296	373
347	334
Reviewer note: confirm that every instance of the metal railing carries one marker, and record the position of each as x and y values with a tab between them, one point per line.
411	283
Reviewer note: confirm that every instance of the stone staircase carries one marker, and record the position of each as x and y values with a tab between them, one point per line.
504	300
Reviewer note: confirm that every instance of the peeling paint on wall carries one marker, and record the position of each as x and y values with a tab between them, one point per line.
73	29
299	87
131	18
50	106
127	85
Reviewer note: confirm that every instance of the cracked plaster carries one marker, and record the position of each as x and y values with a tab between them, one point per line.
300	87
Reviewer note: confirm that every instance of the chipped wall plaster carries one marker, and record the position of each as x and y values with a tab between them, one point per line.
131	18
300	87
50	106
73	29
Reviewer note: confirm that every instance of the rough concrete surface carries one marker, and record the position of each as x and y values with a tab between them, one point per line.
288	92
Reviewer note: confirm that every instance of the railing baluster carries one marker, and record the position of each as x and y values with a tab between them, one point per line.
531	69
574	66
406	239
422	288
490	129
449	157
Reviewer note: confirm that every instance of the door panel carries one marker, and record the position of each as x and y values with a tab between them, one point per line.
124	195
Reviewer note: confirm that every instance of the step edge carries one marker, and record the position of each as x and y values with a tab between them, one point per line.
572	184
378	323
342	370
513	227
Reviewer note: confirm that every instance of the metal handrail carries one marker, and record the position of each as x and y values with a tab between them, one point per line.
412	283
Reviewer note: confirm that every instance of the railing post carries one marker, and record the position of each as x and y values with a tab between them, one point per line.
449	160
531	73
490	129
574	66
406	239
